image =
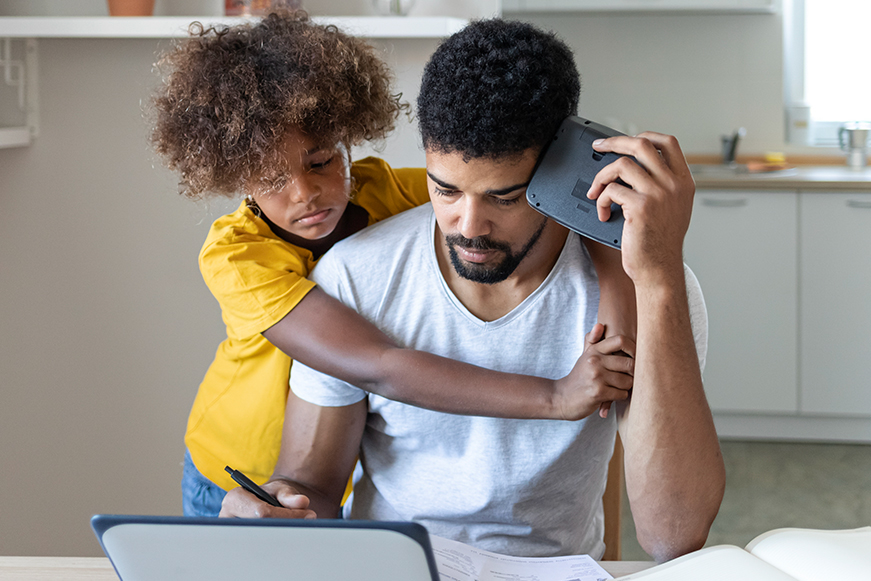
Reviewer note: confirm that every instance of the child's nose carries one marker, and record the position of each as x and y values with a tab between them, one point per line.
303	189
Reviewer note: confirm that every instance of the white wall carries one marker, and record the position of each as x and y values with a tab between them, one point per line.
105	325
694	76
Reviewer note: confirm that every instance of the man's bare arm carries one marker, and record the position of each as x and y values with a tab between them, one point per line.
319	448
674	469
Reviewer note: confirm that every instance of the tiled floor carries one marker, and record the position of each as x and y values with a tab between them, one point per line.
773	485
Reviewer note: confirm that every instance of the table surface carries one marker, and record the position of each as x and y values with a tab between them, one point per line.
99	568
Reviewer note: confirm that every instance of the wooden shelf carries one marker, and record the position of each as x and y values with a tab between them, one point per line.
176	26
14	137
643	6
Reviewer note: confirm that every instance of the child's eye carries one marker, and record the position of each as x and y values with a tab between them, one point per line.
322	164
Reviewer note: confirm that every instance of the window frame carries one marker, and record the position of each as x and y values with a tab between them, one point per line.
796	109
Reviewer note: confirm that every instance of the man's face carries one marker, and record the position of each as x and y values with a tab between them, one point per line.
480	205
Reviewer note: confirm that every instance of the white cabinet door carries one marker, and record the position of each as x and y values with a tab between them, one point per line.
836	303
743	248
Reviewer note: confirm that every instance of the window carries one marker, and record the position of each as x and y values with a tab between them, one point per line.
827	75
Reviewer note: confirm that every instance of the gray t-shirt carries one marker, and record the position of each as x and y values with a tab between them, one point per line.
519	487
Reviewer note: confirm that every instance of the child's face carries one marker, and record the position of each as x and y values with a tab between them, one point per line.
316	194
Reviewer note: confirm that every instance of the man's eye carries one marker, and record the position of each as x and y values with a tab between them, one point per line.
442	192
507	201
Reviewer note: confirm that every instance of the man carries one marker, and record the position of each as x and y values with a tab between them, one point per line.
480	276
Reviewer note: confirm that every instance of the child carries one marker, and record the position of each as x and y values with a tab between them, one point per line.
271	110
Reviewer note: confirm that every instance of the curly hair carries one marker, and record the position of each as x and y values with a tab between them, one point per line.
231	93
496	88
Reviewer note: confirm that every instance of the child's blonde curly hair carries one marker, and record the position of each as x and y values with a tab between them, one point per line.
231	94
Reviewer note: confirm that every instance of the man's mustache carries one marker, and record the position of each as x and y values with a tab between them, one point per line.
477	243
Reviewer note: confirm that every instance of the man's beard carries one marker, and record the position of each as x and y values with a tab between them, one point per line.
489	274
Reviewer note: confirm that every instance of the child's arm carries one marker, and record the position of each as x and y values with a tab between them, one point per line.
350	348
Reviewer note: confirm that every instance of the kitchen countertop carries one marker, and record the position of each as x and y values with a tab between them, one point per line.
803	178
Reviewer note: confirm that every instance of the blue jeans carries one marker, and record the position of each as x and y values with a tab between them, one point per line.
199	495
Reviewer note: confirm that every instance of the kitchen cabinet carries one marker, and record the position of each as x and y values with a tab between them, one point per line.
785	274
835	311
747	6
742	246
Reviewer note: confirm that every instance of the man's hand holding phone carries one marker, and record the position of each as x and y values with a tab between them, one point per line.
656	208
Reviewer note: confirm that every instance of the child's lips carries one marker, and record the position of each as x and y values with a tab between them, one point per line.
314	218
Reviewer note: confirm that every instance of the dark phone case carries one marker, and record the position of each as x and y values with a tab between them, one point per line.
564	174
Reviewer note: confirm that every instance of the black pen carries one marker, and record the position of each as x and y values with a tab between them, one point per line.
248	485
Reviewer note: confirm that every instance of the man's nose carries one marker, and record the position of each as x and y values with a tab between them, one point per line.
302	189
473	220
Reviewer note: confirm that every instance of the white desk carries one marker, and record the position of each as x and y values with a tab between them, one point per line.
99	568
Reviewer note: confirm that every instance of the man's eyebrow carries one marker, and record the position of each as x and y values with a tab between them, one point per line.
499	192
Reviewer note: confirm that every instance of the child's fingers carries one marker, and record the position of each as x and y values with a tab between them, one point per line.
615	380
619	383
612	394
594	336
615	344
621	365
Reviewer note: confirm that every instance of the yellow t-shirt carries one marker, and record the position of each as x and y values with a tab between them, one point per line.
257	278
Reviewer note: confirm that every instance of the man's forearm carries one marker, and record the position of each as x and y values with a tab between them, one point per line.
319	448
674	470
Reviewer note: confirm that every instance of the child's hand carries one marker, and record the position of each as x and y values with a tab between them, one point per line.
242	504
603	374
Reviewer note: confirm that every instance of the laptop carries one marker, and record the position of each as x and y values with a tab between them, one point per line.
563	176
170	548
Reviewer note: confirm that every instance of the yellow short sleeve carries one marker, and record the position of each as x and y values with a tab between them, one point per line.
256	277
383	191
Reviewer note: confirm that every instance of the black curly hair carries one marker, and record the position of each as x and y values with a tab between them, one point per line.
496	88
230	94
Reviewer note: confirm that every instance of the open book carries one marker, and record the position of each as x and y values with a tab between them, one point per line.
459	562
778	555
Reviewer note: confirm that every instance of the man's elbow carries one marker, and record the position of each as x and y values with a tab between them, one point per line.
668	538
665	547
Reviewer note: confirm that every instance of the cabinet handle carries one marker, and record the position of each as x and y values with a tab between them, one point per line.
716	203
859	204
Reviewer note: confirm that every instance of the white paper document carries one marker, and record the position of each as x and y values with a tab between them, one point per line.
459	562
